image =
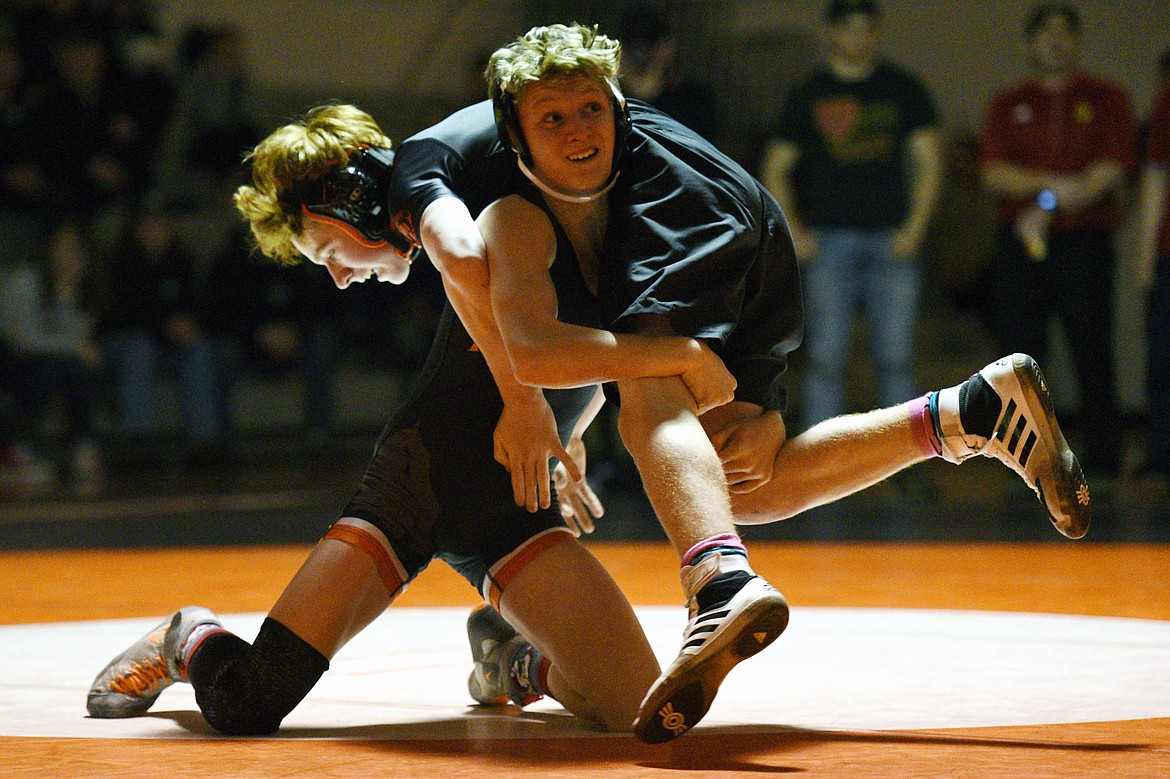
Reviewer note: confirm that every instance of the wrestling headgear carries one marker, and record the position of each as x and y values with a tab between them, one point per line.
354	197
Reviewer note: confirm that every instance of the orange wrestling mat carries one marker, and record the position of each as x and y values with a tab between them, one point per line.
900	660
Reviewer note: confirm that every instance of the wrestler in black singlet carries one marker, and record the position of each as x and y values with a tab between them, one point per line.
432	487
691	235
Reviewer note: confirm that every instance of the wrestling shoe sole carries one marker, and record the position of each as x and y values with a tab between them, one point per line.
1055	471
684	694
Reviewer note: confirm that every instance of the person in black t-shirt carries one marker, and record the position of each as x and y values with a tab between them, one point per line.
856	164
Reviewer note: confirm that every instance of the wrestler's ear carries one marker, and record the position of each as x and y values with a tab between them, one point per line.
508	125
621	121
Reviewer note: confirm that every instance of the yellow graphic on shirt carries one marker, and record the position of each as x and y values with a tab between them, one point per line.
1083	112
857	132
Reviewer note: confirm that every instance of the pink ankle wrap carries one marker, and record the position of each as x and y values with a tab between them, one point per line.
723	539
922	426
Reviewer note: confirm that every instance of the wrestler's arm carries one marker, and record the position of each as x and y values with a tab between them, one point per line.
546	352
526	436
455	246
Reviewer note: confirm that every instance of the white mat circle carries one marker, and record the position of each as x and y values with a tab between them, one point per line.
847	669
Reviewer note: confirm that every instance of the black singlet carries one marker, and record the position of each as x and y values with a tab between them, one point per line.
432	486
692	235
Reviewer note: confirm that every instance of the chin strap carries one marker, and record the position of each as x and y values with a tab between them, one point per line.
567	195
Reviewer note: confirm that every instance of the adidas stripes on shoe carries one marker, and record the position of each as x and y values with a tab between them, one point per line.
1026	437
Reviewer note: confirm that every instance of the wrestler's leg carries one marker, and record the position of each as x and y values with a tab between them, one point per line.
336	593
1004	411
733	612
248	689
832	459
680	470
567	605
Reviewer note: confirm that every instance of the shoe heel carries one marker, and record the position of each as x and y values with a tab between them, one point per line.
763	630
1040	388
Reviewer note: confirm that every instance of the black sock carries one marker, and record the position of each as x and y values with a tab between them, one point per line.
721	589
979	407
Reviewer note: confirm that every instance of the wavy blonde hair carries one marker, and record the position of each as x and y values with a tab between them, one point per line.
303	150
552	53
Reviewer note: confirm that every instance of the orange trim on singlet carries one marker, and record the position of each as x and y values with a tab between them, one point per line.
502	573
388	568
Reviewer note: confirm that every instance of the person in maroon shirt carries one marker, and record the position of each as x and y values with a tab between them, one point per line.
1056	150
1154	275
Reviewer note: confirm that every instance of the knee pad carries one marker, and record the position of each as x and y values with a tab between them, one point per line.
248	690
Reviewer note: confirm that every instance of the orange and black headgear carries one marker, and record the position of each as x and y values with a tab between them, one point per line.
354	196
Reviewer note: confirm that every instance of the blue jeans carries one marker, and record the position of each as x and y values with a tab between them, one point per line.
137	358
1158	371
857	269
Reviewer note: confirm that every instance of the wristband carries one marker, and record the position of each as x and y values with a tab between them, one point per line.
1046	199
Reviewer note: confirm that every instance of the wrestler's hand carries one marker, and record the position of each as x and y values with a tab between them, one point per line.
747	446
525	440
579	504
709	380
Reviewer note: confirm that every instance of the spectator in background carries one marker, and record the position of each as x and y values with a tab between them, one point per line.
40	22
47	317
1056	150
1154	276
281	322
650	72
22	471
141	62
211	125
151	324
24	178
209	129
856	164
95	156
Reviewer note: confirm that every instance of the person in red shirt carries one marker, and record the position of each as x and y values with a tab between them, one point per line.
1154	274
1055	152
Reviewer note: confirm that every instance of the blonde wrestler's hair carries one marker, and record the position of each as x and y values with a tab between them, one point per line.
303	150
552	53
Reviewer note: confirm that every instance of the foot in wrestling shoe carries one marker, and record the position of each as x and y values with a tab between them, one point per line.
1005	412
733	615
506	665
132	681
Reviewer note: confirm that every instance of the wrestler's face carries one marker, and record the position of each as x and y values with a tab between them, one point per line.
349	261
569	128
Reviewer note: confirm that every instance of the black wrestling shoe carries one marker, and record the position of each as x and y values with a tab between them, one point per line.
718	636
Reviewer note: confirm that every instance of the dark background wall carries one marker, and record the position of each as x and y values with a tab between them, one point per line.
964	49
409	62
